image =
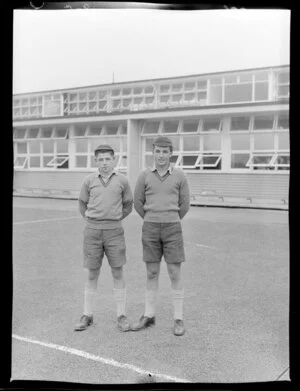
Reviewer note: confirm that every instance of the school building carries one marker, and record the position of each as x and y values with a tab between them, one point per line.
230	132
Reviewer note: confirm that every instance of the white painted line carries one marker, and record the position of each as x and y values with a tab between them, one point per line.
103	360
200	245
45	220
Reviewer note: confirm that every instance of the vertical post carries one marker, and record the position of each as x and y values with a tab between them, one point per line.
134	151
226	145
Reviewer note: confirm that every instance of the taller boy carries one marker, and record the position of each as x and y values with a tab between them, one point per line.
162	199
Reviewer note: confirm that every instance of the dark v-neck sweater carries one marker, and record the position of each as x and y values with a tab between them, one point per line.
162	199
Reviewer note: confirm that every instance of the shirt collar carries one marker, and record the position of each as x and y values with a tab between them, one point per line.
114	172
169	170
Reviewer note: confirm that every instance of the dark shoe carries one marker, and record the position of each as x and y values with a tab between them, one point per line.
85	322
178	328
123	324
144	322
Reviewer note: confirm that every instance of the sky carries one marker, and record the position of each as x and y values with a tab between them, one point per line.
72	48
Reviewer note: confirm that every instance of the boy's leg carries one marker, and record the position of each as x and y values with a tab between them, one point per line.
115	249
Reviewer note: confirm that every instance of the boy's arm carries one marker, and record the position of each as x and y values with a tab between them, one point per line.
184	197
83	198
139	195
127	199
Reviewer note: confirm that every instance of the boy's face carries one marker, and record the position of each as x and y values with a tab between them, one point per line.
161	155
105	162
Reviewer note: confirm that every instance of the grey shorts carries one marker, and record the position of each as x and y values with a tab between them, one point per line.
162	239
97	242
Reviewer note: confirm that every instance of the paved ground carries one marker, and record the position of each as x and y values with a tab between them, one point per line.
236	301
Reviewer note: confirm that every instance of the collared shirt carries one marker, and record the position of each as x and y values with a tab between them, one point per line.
169	170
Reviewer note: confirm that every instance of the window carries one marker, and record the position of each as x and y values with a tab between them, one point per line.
35	147
190	126
164	88
21	162
21	148
177	87
48	146
60	132
282	161
283	141
59	161
260	160
209	160
34	161
32	133
170	127
283	122
283	84
239	160
238	93
150	127
19	133
239	123
188	161
81	161
46	132
215	93
211	142
115	92
112	129
211	125
191	143
264	141
263	122
81	145
240	141
79	130
62	146
94	130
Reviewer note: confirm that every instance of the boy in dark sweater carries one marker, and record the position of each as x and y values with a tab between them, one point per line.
162	199
105	200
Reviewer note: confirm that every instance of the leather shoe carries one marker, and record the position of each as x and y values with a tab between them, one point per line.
143	323
178	328
123	324
85	322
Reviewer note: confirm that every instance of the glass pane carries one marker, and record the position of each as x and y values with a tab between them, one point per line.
79	130
176	87
95	142
19	161
46	160
245	77
209	159
34	146
238	93
151	127
164	98
112	129
282	159
211	142
176	98
164	88
126	91
81	145
102	94
148	90
283	122
263	141
211	124
81	161
189	160
46	132
62	146
123	129
32	133
261	76
35	161
239	160
189	97
215	95
115	92
191	143
240	123
189	86
261	160
261	91
230	79
137	90
170	126
61	132
19	133
21	147
126	102
283	141
173	159
263	122
175	142
284	77
240	141
94	130
283	91
148	161
215	81
149	99
138	101
48	146
149	144
190	126
115	103
202	84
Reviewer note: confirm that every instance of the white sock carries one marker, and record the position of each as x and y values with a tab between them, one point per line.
150	303
120	297
177	298
89	299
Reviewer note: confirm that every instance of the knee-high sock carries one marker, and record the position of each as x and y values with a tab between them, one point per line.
120	297
177	298
150	302
89	299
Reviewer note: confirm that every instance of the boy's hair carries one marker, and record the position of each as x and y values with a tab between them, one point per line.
165	146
